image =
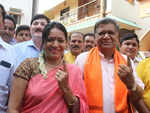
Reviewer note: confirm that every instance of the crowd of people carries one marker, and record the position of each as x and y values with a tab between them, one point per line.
43	70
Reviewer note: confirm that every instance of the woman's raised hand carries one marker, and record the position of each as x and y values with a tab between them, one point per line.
62	78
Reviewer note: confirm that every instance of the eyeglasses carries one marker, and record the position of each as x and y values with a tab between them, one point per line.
103	33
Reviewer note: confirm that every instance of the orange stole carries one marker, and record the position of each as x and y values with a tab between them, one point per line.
94	86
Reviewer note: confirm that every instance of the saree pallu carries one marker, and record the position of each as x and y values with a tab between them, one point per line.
45	96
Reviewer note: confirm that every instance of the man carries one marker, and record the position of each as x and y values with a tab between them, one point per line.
9	27
89	41
129	45
7	64
32	47
7	67
75	45
102	68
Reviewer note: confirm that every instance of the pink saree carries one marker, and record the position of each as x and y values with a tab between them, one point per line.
44	95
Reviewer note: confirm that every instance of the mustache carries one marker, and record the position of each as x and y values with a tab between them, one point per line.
5	34
76	47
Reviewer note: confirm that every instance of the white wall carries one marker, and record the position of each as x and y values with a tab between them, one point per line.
125	10
143	22
24	5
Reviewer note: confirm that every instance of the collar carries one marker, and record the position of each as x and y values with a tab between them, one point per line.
3	44
71	54
30	43
12	41
108	60
137	59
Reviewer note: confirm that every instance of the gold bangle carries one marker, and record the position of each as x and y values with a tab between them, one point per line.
71	104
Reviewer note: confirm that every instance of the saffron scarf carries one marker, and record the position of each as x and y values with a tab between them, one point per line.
94	87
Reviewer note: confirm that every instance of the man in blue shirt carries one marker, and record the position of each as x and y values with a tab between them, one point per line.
31	48
7	64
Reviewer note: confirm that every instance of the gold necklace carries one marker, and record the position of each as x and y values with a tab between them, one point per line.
53	66
42	64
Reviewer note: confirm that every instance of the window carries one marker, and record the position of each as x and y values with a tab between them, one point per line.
64	13
17	18
16	13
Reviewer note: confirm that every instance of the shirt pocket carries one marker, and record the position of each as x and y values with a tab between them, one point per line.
5	73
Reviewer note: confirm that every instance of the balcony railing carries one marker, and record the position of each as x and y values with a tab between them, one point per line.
87	10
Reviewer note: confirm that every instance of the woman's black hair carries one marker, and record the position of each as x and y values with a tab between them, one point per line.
49	27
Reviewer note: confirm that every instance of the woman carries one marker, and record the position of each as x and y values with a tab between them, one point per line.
47	84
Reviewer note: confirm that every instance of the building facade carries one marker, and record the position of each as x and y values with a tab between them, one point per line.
21	10
81	15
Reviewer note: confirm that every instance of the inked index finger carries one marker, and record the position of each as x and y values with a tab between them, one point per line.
129	62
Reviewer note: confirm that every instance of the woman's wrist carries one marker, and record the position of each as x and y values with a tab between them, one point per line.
70	99
72	102
66	89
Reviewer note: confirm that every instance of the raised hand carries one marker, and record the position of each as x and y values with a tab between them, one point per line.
62	78
125	73
69	97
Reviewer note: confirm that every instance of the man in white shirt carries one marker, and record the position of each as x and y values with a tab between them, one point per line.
7	62
9	27
106	92
7	65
